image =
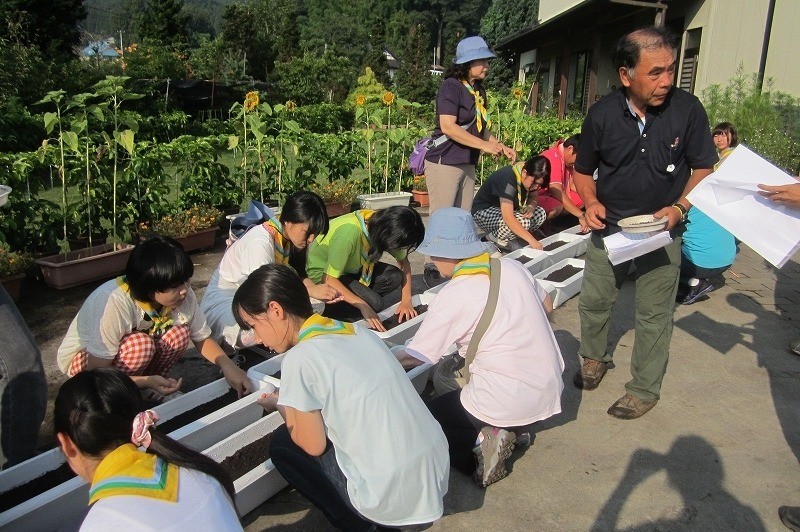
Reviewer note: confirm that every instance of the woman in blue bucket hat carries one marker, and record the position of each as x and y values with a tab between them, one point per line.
515	375
461	133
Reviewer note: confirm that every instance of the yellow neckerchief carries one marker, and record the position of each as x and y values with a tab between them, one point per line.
128	471
162	320
317	325
275	229
481	114
478	265
522	193
724	153
366	266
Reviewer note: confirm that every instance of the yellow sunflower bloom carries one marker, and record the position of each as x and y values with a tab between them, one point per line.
387	98
517	94
250	101
361	100
290	105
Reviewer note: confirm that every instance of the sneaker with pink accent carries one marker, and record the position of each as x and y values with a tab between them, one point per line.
491	455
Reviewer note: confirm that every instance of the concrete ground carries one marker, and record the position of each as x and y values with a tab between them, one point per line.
719	451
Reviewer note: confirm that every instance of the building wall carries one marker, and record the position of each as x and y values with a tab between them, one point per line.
550	8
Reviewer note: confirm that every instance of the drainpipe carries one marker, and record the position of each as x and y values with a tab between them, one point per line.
762	65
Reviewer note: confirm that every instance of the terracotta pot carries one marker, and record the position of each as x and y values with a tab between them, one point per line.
201	240
421	197
335	208
66	270
13	285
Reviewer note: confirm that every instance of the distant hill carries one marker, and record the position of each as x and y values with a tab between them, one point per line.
107	17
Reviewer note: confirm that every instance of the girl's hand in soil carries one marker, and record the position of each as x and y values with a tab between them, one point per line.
237	379
370	316
405	312
269	401
535	244
163	385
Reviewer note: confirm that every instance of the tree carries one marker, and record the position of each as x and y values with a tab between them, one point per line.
50	26
314	79
503	18
414	80
164	22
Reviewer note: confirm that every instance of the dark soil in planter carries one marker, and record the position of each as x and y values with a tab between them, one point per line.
19	494
391	322
562	274
181	420
555	245
522	258
251	358
248	457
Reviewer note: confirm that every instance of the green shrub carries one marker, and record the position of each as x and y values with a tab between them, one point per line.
767	122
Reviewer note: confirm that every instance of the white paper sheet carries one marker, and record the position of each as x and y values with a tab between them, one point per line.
730	197
627	246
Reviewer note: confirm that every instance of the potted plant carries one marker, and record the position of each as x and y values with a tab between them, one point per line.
420	190
12	269
338	196
195	228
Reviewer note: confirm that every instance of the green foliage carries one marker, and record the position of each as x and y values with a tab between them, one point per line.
767	122
324	118
368	86
214	60
50	26
413	79
152	60
163	22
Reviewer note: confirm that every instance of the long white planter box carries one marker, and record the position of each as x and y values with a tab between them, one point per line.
565	289
381	200
50	509
568	250
407	329
576	230
263	481
537	261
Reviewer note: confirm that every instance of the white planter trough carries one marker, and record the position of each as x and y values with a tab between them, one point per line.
563	290
49	510
576	230
261	482
407	329
435	290
265	371
219	424
381	200
537	260
566	251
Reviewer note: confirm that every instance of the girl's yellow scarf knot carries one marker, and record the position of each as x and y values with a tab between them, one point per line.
478	265
318	325
162	320
481	114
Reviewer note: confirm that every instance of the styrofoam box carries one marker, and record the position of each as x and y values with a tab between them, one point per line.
568	250
538	259
48	510
576	230
220	424
263	481
566	289
264	371
407	329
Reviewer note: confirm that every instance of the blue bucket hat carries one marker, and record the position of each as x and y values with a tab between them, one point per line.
451	235
472	48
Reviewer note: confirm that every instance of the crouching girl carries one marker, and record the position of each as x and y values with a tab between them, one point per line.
358	441
141	323
100	426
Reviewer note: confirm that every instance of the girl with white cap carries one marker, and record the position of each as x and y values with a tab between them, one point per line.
515	376
461	116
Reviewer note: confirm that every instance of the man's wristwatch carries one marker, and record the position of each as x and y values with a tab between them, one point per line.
681	209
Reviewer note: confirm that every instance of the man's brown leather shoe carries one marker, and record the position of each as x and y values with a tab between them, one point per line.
630	407
590	374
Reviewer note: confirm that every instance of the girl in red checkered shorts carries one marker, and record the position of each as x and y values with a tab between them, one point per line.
141	323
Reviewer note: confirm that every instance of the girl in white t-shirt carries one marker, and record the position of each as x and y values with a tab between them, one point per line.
358	441
142	322
302	218
515	377
140	479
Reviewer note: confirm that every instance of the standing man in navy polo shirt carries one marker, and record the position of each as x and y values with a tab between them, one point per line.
651	146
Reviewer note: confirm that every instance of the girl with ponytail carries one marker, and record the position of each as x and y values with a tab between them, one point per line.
140	478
